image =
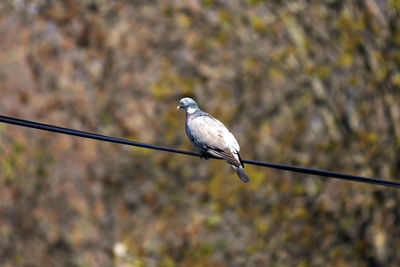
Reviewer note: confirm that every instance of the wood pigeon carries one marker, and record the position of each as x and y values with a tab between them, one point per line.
211	137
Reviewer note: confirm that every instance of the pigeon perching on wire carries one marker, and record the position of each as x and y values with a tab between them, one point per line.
211	137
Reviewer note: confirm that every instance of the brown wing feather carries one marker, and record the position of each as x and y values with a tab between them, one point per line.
226	155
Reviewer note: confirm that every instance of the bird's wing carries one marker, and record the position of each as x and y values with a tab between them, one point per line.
211	135
231	157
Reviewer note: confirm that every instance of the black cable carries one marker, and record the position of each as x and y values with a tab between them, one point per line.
57	129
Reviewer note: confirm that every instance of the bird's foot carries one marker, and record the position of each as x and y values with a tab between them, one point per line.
204	157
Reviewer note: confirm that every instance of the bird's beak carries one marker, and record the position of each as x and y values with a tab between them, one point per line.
178	107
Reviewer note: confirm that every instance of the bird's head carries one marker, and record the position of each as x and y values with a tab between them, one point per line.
188	104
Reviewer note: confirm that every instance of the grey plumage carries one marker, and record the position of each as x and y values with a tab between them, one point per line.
211	137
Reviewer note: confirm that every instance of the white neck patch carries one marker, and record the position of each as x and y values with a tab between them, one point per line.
190	110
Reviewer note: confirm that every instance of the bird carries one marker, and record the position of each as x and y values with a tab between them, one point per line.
211	137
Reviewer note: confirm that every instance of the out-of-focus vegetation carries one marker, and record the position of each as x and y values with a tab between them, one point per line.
311	83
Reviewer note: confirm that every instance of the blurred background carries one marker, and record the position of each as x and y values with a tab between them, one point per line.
309	83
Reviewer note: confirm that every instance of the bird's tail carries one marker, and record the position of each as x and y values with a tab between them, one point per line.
241	173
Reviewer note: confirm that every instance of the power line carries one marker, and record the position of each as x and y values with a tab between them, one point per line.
68	131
